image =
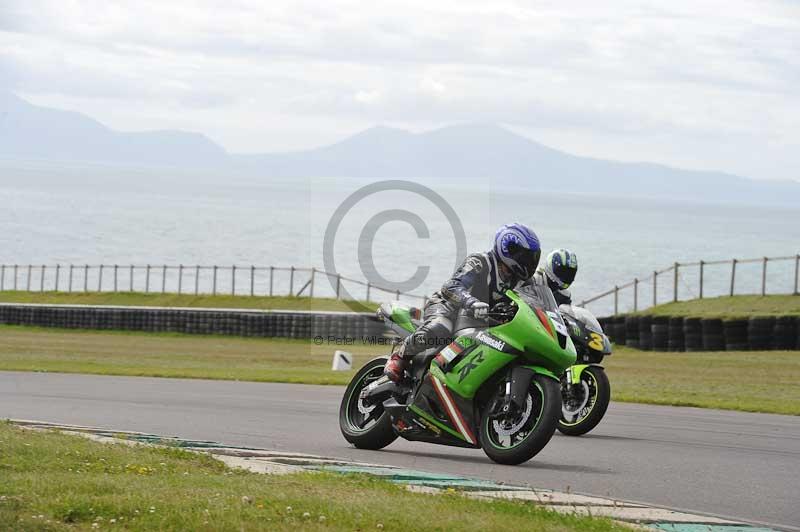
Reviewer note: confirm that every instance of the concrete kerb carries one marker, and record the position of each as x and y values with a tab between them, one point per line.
264	461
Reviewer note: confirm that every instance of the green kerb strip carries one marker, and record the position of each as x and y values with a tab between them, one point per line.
445	428
702	527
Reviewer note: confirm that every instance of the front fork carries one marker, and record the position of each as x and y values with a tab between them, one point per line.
518	380
573	373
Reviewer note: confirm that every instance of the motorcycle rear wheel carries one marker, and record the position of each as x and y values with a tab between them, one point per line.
365	426
518	438
594	383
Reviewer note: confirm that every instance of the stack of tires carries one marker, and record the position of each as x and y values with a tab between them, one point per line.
676	334
786	334
632	331
760	332
713	337
676	338
620	330
736	335
660	333
645	333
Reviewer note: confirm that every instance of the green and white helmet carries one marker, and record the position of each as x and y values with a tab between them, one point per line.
560	266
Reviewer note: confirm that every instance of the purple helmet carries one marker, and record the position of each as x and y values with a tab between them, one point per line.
517	246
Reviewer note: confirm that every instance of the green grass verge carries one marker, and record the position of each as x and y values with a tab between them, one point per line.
730	307
138	299
175	355
53	481
749	381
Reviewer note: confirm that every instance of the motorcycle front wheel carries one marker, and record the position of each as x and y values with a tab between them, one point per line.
367	426
515	437
585	403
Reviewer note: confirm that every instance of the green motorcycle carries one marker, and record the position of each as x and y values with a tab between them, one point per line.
585	390
495	387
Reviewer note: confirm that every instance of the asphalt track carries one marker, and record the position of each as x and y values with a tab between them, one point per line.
731	464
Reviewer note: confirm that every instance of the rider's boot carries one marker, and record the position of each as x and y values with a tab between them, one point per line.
395	367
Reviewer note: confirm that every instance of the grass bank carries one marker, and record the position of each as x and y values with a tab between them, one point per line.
730	307
139	299
59	482
748	381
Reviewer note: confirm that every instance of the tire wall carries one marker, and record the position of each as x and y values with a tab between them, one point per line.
664	333
281	324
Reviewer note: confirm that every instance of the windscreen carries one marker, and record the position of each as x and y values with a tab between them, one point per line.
538	295
587	318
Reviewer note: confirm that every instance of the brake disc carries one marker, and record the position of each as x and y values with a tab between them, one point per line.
515	427
570	414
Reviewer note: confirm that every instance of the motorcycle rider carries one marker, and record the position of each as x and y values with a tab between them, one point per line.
479	283
560	268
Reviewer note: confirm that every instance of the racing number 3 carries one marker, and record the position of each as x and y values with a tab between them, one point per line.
596	341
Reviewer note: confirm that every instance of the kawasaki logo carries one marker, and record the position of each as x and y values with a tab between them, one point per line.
491	342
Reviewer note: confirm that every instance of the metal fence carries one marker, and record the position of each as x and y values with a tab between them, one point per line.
195	279
693	280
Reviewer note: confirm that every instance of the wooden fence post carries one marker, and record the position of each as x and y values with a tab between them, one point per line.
214	282
702	267
28	280
58	272
41	279
338	285
180	278
252	280
116	268
764	277
291	281
100	280
675	283
311	289
635	295
3	277
733	275
271	272
86	278
196	279
368	287
164	279
616	300
796	272
130	278
69	284
655	288
233	280
147	280
15	277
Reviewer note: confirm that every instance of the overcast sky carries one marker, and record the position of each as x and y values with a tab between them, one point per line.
706	85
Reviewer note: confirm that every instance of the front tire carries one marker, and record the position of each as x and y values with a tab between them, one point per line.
585	406
514	439
365	426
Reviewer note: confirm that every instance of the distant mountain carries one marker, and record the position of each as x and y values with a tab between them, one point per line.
491	155
471	154
38	133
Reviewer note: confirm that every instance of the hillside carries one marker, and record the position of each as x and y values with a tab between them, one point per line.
467	154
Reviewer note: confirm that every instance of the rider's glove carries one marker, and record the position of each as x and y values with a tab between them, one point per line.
477	308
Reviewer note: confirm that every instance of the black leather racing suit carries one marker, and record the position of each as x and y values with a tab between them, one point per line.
478	277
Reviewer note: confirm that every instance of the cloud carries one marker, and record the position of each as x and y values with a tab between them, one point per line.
263	76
